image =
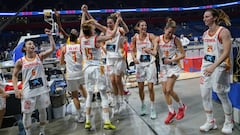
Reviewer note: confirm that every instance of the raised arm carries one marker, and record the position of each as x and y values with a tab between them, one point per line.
105	38
16	70
89	16
124	25
60	25
83	19
46	53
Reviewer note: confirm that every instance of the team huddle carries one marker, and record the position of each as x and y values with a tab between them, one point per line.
98	62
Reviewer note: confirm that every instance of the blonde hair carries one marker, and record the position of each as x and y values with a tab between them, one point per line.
222	17
87	27
170	23
113	16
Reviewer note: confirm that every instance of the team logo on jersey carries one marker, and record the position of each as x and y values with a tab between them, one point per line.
210	48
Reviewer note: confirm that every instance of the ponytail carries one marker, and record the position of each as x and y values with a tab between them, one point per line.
222	17
170	23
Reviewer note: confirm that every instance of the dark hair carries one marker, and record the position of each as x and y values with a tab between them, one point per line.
138	23
170	23
24	44
222	17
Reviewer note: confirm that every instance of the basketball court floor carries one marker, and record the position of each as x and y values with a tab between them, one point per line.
129	122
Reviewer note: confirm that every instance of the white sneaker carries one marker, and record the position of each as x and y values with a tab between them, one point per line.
122	108
41	133
227	127
80	119
153	114
112	103
143	110
116	108
208	126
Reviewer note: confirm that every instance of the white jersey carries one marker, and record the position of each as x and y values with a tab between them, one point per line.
167	49
33	77
73	58
112	45
144	58
91	53
213	48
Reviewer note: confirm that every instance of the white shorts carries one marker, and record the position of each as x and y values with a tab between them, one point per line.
95	76
74	85
116	66
39	102
2	103
219	81
146	73
167	71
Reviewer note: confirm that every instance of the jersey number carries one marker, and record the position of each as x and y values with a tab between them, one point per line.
89	54
74	56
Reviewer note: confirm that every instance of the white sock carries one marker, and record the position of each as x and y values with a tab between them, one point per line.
42	128
117	99
79	112
28	131
180	104
87	117
228	118
209	116
121	98
152	105
170	108
105	116
142	102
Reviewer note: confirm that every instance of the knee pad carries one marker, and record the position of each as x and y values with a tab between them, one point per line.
226	103
27	120
104	99
42	115
206	98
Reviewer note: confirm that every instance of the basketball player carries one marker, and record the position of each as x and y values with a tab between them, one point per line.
215	68
145	64
35	91
93	70
115	57
168	46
